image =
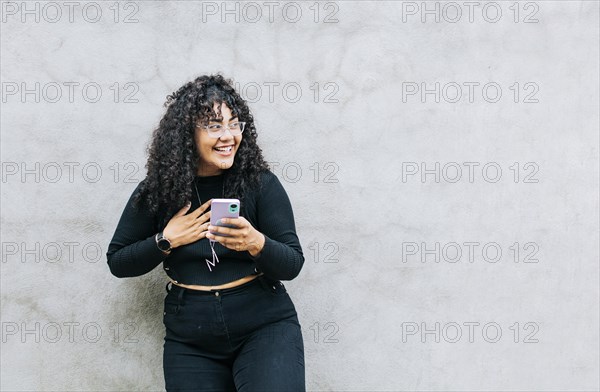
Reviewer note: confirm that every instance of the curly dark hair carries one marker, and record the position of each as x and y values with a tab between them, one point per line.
173	157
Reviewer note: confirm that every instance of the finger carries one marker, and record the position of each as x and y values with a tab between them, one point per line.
198	211
204	217
213	229
202	225
184	209
215	237
227	242
231	221
203	230
239	222
221	229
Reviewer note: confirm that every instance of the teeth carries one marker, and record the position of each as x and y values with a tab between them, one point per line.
226	149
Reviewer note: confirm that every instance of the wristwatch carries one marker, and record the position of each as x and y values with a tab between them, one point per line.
163	243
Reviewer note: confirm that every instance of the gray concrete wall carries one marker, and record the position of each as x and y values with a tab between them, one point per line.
443	175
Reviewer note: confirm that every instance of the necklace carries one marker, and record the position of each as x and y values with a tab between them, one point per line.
197	194
211	242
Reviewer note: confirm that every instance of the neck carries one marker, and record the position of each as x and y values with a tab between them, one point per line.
207	172
209	175
210	171
210	179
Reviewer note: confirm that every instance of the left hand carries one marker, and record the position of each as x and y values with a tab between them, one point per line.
243	237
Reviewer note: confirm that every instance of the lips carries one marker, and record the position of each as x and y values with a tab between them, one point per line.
225	151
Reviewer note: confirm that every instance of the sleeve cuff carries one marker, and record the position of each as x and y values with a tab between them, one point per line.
152	248
268	244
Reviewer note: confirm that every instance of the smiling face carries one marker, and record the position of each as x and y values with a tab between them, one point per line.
212	161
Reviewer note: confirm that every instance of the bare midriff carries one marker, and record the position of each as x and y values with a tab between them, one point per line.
222	286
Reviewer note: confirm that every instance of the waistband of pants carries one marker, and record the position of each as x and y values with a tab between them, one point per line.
178	289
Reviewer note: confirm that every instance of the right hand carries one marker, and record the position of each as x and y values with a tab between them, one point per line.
184	229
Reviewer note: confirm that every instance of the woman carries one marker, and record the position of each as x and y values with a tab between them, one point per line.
230	323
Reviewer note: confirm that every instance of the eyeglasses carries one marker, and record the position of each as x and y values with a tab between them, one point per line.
217	130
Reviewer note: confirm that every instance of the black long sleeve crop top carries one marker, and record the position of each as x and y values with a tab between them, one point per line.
133	250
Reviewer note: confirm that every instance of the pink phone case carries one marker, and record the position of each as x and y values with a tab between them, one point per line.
223	208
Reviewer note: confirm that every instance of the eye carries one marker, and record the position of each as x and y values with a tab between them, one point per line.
214	126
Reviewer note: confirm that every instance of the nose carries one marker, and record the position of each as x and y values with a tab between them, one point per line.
226	134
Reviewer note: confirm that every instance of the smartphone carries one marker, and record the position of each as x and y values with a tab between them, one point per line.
223	208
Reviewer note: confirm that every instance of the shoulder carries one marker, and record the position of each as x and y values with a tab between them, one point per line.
271	188
139	188
270	182
267	176
139	196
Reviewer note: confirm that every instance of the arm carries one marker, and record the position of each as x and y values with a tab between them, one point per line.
132	250
281	256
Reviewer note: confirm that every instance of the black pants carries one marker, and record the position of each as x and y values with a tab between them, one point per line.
244	338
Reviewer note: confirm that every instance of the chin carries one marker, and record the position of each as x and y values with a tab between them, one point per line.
224	164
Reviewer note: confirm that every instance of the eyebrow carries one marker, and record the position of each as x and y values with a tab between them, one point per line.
219	119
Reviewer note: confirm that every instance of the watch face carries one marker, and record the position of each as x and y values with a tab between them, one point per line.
163	244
